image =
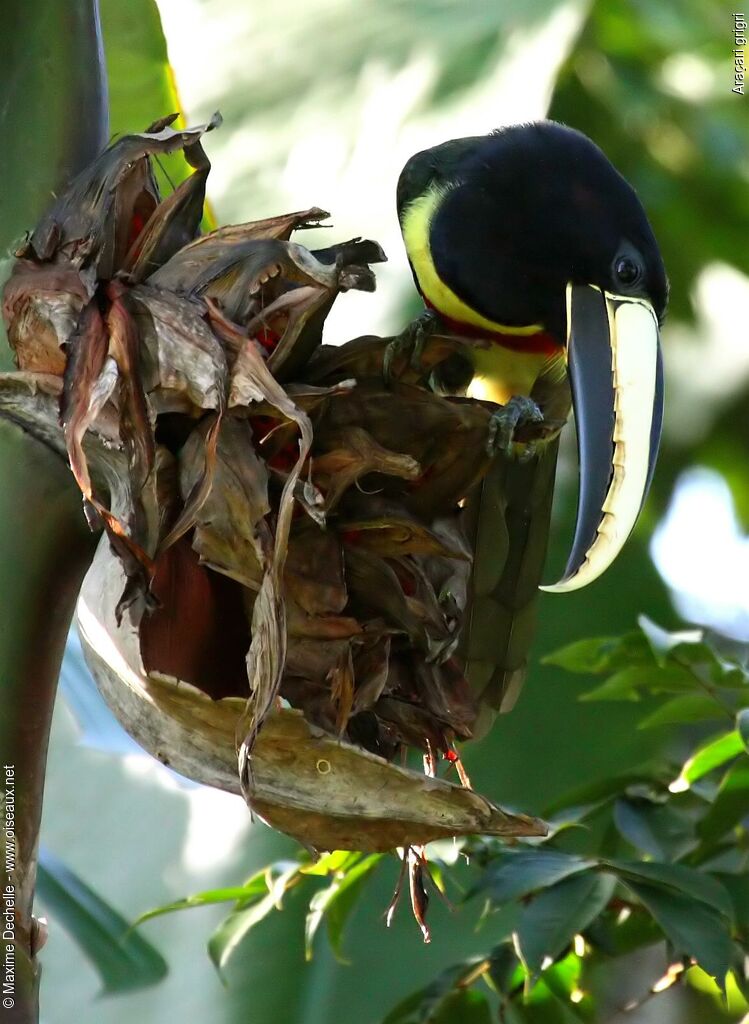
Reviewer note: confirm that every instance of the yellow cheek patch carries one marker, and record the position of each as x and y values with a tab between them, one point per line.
415	224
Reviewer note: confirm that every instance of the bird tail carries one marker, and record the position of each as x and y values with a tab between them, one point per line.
507	517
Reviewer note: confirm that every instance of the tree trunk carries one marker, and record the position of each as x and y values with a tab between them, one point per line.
53	121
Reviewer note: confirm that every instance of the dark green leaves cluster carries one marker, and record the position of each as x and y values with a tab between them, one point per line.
656	855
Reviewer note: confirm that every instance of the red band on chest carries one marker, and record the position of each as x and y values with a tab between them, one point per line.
542	342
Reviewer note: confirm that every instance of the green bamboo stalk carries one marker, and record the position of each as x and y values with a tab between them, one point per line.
53	119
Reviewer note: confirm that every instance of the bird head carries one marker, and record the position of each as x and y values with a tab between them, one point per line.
532	230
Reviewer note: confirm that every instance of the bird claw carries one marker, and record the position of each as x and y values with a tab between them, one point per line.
505	421
409	344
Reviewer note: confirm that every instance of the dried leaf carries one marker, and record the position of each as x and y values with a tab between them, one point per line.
341	681
447	437
202	482
394	536
417	889
350	456
314	570
124	348
174	223
41	307
231	535
182	353
94	221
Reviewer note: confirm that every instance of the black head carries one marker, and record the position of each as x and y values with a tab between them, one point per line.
527	210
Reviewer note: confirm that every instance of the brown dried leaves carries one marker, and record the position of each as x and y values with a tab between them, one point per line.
269	500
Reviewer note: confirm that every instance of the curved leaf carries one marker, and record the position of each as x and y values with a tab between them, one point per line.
233	930
710	755
336	903
690	707
517	874
731	803
694	885
551	920
692	928
122	958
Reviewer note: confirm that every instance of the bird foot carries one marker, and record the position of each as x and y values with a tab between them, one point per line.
507	420
409	344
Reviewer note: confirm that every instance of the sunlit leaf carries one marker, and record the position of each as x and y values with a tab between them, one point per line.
336	903
712	754
329	863
233	930
662	642
122	957
253	889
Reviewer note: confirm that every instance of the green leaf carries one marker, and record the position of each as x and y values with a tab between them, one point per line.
561	980
517	874
742	726
553	917
464	1006
426	1005
662	643
55	71
233	930
625	684
655	829
141	83
731	803
620	936
737	887
694	885
690	707
505	970
122	958
253	889
709	756
621	686
329	863
592	655
336	903
692	928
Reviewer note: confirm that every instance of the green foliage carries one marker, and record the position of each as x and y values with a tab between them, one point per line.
671	125
343	871
639	873
123	959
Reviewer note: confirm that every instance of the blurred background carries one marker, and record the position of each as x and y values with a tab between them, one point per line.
323	102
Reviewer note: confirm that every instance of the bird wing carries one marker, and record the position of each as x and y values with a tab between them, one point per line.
507	518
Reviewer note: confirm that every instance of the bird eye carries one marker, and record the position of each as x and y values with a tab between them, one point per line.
627	271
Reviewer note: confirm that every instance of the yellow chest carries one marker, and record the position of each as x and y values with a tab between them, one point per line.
501	373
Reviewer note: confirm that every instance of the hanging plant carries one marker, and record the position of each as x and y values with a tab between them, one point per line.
277	596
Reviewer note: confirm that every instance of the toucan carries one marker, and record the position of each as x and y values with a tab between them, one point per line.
530	242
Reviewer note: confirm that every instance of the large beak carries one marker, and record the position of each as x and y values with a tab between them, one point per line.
616	375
